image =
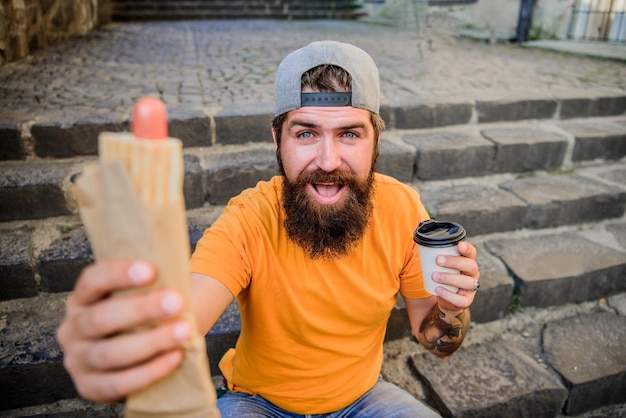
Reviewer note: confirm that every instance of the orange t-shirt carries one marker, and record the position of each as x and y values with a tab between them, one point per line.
312	330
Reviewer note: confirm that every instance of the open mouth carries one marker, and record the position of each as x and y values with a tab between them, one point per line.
327	193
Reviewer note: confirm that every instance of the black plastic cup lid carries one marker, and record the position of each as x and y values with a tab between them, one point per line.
432	233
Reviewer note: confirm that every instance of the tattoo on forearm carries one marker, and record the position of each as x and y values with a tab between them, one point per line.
442	334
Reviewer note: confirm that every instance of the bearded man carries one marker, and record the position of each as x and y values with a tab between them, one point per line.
315	257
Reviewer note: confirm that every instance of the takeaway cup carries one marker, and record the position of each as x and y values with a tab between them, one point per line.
434	238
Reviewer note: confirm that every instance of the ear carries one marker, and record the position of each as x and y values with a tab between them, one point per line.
274	136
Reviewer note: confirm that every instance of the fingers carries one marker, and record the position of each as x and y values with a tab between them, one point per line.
467	250
100	279
108	369
114	386
115	315
106	361
455	301
466	264
129	349
460	281
465	281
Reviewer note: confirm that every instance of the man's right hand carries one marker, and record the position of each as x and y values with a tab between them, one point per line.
106	362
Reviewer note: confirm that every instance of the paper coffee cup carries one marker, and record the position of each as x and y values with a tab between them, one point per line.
434	238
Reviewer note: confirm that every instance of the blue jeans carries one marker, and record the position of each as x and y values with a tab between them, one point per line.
384	400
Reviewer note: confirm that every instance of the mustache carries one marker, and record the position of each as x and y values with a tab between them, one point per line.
321	176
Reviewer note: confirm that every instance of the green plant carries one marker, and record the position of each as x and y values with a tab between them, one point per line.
538	32
515	306
67	228
558	171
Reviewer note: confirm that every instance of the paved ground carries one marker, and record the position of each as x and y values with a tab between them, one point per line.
605	50
208	64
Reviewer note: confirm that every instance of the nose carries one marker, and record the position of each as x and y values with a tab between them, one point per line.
328	155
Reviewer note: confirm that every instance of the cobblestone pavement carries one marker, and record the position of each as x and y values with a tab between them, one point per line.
208	64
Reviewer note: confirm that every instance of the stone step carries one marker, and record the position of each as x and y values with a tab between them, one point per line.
567	261
62	135
565	359
541	269
545	206
47	254
141	10
568	360
40	187
31	361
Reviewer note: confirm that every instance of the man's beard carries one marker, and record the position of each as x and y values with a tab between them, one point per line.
327	231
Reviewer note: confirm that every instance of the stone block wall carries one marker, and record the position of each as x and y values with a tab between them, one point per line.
29	25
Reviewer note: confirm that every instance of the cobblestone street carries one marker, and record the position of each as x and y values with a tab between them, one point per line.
204	64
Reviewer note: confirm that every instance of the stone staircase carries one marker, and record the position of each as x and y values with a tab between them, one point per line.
143	10
539	184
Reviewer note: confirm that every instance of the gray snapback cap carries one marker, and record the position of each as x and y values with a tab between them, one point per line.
360	66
